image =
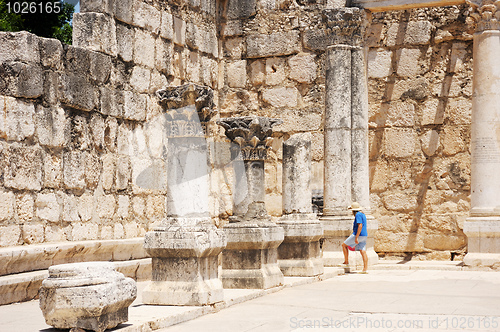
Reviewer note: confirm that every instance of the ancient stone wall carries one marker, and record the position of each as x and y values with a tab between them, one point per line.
82	139
420	87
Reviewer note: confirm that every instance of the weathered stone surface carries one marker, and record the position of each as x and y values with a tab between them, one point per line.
76	91
281	97
21	79
409	64
237	9
97	6
144	48
275	44
19	46
237	74
379	63
399	142
10	235
52	126
147	17
51	53
47	207
25	167
179	31
95	31
303	67
90	296
166	28
17	119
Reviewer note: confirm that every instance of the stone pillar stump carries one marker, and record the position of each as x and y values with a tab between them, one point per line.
250	259
185	247
299	254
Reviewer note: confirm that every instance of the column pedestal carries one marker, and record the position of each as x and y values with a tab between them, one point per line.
250	259
299	255
185	264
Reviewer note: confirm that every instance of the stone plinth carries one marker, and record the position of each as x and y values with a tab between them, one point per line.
250	259
346	134
184	263
299	254
91	296
185	247
483	226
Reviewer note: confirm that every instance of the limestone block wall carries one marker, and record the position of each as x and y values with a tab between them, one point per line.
420	87
81	136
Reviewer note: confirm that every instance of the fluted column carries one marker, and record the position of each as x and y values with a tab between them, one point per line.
250	259
346	133
185	247
483	226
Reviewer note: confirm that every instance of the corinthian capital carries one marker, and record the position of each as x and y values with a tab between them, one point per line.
484	15
252	134
346	25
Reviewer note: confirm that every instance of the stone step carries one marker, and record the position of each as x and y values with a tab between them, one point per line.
419	265
22	259
22	287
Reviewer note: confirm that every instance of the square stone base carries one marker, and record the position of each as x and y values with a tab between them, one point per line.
250	260
181	281
483	242
300	259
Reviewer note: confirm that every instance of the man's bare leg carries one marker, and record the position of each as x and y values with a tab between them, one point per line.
365	260
346	253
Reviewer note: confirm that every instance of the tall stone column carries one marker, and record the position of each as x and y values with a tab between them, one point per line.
250	259
185	247
299	254
483	226
346	134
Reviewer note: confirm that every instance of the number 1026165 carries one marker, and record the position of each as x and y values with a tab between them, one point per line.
26	7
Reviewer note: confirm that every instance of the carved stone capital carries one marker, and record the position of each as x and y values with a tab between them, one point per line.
252	134
484	15
346	26
189	108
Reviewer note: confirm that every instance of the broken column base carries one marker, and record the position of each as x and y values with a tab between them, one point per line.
91	296
250	260
299	254
483	237
184	264
336	229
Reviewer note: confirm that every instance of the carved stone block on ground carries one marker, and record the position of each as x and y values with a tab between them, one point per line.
90	296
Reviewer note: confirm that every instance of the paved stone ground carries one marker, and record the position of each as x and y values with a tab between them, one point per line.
379	301
383	300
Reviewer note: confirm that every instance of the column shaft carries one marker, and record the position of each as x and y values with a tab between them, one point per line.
337	182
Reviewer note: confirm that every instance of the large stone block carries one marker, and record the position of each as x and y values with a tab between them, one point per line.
237	9
179	31
74	170
164	54
76	91
123	10
379	63
19	46
399	142
125	42
7	203
147	17
281	97
410	62
10	235
275	44
144	48
167	25
97	6
90	296
21	79
140	79
16	121
303	67
25	167
51	53
95	31
134	106
47	207
52	126
237	74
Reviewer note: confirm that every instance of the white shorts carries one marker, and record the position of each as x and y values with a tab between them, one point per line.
350	241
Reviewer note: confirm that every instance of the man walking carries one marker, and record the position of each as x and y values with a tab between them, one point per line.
357	240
